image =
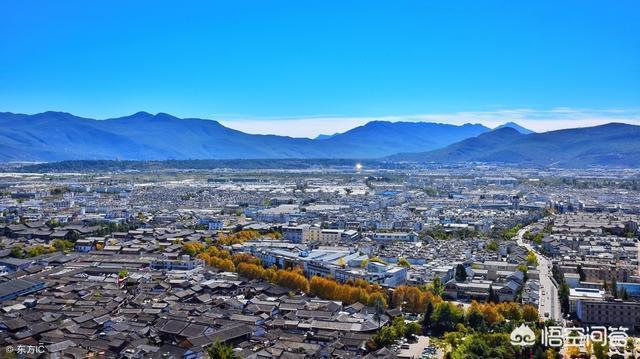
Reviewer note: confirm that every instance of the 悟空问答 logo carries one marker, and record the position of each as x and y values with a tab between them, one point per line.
523	336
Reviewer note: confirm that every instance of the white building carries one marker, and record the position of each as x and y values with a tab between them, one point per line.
296	234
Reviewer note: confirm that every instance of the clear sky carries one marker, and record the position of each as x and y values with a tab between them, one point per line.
302	68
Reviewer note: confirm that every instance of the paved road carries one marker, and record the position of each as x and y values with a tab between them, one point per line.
549	304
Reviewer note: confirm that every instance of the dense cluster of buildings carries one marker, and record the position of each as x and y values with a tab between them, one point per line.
597	254
96	263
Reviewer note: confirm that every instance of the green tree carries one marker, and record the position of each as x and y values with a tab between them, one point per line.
600	351
523	268
52	223
528	235
385	336
74	235
563	295
445	317
404	263
538	238
532	259
36	250
551	353
461	273
399	325
492	246
426	319
123	273
59	190
563	290
508	233
453	339
378	310
62	245
390	333
630	347
581	273
220	351
483	345
411	329
431	192
437	288
476	320
493	296
17	251
530	313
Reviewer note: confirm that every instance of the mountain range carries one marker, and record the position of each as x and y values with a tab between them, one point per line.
59	136
55	136
613	144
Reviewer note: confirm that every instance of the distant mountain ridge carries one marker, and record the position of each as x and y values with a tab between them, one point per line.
57	136
322	136
613	144
515	126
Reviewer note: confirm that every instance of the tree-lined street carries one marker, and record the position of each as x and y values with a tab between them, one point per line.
549	305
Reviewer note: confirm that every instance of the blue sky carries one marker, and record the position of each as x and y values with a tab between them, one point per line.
302	68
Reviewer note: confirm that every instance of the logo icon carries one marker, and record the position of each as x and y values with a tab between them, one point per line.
523	336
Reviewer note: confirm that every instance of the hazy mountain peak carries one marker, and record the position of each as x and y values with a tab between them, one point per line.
163	115
141	114
324	137
56	113
146	116
506	130
515	126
